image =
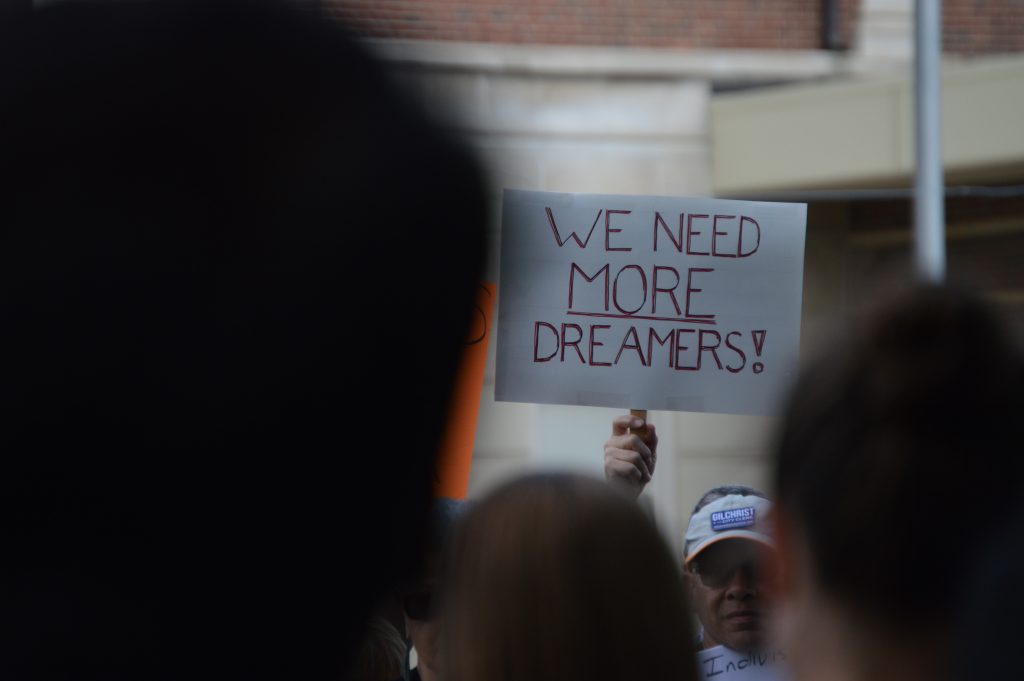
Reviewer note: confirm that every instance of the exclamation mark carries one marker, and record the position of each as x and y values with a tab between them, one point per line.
758	337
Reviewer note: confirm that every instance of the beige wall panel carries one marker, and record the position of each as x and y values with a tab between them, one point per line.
656	166
802	136
724	434
562	106
626	169
504	429
488	473
983	110
856	133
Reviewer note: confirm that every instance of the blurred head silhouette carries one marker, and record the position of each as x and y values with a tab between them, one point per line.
892	473
227	242
535	588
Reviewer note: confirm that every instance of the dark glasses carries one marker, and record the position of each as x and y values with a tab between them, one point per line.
419	605
717	569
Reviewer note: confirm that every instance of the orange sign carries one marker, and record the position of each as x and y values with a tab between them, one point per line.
456	453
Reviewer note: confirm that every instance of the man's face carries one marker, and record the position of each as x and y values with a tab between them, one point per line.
732	586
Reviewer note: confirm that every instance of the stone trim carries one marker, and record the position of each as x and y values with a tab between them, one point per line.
612	62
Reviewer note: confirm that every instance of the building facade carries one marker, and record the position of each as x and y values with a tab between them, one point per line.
797	98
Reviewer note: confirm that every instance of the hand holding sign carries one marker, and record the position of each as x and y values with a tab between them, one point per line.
630	457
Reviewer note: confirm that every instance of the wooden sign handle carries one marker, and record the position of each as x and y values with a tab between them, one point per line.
639	413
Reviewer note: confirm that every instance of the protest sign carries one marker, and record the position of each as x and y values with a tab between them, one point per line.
649	302
722	664
456	453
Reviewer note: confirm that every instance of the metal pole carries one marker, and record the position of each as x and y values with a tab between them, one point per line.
929	212
829	25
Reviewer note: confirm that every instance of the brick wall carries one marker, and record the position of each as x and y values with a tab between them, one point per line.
977	27
972	27
778	24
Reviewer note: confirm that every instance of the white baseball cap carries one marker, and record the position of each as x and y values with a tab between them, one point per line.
734	516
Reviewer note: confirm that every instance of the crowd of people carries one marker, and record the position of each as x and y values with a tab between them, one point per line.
895	498
200	226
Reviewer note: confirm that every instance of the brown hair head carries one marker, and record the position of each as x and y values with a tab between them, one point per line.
558	577
897	457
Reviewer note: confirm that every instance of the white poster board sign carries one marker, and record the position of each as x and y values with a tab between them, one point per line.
649	302
722	664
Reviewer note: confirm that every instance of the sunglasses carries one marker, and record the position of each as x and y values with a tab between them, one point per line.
717	569
420	605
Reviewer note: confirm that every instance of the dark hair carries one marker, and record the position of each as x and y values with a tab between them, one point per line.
721	491
222	226
894	450
531	596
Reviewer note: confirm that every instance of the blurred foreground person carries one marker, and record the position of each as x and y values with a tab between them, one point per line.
896	467
729	551
220	228
531	589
